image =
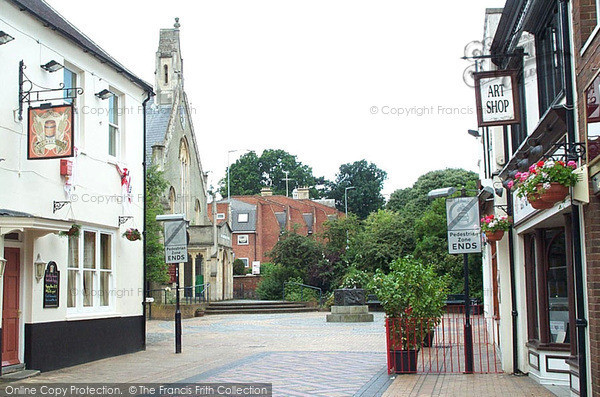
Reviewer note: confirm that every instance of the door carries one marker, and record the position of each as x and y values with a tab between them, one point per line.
10	309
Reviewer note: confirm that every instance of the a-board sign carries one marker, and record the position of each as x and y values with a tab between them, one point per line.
51	285
464	232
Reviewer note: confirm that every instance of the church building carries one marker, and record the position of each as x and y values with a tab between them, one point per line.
172	147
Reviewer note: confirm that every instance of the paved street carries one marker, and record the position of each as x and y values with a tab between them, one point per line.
300	354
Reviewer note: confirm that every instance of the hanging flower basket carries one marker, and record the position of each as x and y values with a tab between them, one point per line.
132	235
536	202
72	232
494	236
546	183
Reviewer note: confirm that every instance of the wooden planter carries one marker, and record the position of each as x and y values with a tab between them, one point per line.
494	236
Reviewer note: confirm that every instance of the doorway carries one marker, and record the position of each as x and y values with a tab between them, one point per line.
10	308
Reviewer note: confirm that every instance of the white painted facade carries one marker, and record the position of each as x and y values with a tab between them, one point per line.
96	198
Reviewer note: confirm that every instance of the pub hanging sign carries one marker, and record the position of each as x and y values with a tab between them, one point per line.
497	98
51	285
50	132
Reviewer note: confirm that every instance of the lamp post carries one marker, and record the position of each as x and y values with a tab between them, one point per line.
346	198
468	331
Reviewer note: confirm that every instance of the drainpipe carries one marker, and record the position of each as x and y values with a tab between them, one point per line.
145	288
511	258
580	322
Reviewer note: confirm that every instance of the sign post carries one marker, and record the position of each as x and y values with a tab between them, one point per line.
464	237
497	97
175	234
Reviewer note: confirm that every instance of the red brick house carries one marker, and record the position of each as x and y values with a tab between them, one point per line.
586	42
258	221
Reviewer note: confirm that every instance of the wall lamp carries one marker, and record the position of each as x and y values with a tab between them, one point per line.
5	37
104	94
52	66
40	266
474	133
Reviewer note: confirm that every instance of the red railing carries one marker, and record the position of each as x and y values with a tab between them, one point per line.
425	345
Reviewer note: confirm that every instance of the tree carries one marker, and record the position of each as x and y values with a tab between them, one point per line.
382	239
250	173
296	253
156	268
367	181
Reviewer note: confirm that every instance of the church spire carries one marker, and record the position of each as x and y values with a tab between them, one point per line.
169	65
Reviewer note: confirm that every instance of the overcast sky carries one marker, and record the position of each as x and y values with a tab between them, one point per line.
314	78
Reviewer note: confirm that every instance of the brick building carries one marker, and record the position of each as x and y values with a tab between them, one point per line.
258	221
586	39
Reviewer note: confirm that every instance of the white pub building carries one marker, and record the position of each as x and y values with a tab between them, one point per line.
71	171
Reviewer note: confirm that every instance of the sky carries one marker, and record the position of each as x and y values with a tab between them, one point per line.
331	82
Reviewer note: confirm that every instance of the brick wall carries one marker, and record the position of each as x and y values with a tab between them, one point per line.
586	65
244	287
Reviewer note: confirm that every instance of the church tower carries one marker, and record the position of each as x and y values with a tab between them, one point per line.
169	65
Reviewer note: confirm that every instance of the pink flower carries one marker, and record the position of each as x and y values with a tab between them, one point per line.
510	184
572	164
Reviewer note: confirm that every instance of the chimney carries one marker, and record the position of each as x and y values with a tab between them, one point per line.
303	193
266	192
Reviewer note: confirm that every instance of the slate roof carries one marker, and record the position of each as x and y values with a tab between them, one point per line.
240	207
18	214
52	19
157	121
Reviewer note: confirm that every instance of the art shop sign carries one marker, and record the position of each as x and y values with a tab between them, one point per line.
497	98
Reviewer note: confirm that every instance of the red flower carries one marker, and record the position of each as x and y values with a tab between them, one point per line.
540	164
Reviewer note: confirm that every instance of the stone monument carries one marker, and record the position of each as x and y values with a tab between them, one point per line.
349	307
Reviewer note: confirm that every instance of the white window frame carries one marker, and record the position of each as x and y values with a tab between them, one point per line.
220	215
594	33
95	308
243	217
240	239
117	126
246	262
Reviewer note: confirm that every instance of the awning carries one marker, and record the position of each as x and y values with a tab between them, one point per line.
12	221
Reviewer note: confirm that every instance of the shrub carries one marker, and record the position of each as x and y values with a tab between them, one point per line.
271	284
297	293
239	267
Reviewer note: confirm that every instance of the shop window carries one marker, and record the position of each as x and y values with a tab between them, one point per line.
549	49
548	287
90	271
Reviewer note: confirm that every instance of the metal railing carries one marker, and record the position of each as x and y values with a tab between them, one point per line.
188	295
302	286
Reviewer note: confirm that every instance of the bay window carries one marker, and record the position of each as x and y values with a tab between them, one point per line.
90	271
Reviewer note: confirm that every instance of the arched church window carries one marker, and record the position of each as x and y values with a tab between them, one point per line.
166	68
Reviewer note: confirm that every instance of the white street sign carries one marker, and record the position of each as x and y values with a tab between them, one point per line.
175	241
464	233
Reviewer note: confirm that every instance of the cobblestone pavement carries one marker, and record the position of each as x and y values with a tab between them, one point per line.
300	354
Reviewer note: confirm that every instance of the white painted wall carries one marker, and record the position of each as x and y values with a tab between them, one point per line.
31	186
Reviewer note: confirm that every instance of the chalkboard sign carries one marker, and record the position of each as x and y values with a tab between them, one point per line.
51	285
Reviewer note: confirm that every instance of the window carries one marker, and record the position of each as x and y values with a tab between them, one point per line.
113	126
166	69
242	239
220	216
90	271
246	262
172	199
70	81
184	159
243	218
589	14
548	48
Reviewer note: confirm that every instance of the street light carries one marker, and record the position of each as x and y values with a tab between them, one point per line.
346	198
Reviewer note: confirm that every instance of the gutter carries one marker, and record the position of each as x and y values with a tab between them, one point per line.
580	322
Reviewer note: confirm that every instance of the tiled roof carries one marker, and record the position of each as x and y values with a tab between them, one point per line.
49	17
157	121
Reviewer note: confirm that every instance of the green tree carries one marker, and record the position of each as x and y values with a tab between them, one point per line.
250	173
367	180
296	253
156	268
382	239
